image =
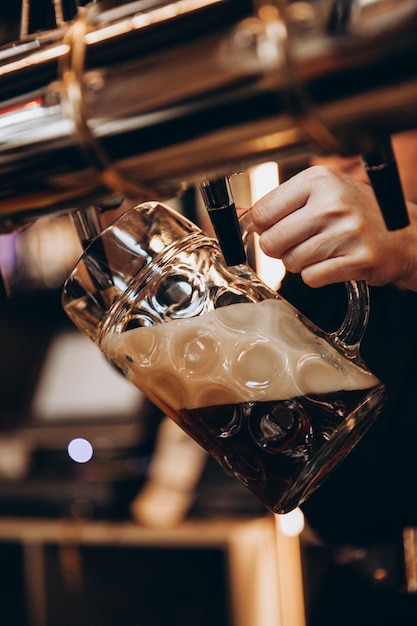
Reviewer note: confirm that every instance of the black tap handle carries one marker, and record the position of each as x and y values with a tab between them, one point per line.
218	200
382	171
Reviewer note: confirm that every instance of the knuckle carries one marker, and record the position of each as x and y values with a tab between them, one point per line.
290	261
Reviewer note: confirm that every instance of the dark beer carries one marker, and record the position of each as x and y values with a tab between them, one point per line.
273	401
275	448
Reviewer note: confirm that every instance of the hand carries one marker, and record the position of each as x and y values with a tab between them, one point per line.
328	227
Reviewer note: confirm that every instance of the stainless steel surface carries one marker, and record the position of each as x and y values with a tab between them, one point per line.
145	98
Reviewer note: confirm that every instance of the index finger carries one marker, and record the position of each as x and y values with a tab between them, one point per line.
281	201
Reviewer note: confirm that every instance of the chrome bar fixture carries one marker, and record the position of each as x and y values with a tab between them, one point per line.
142	99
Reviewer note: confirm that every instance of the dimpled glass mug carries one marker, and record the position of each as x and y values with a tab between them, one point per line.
274	399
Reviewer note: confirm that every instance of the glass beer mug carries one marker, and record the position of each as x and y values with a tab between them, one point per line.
274	399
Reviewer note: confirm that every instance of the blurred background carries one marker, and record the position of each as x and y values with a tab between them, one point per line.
108	514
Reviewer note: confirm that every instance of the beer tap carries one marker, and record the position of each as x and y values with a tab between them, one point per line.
82	116
382	170
379	162
219	202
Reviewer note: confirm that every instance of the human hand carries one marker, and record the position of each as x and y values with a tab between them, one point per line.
328	227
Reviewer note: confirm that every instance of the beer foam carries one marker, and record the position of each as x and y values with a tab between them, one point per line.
239	353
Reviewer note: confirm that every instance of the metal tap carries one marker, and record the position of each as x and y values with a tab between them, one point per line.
143	99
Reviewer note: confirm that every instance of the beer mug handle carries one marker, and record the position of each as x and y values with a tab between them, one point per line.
353	327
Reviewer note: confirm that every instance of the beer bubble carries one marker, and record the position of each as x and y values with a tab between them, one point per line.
193	350
239	317
213	393
132	347
164	386
257	364
314	374
292	331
